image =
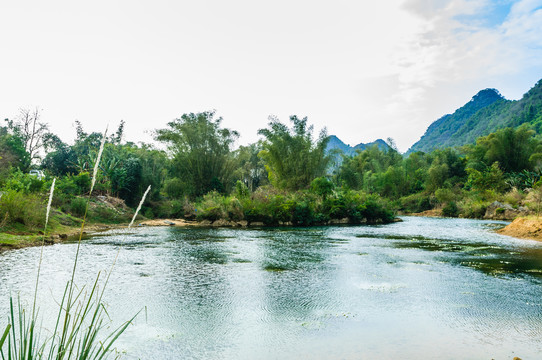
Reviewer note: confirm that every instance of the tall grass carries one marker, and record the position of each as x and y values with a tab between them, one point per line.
80	320
139	206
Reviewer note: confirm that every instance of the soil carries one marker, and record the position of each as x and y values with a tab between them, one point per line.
524	228
428	213
167	222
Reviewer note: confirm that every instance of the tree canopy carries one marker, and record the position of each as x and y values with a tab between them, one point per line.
201	151
292	158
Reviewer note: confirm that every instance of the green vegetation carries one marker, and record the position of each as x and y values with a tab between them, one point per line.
288	177
81	316
487	112
504	166
291	157
282	179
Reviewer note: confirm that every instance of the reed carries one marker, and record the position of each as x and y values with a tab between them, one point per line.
139	206
80	320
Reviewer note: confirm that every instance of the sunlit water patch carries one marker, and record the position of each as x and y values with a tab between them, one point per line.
423	288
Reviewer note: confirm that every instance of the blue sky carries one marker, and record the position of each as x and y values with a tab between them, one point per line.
365	70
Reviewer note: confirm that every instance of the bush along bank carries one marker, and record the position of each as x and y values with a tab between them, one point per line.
268	206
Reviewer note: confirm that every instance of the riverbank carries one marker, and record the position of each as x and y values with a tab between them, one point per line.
529	227
523	227
9	241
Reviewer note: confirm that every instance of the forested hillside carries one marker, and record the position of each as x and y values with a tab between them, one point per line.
487	112
337	144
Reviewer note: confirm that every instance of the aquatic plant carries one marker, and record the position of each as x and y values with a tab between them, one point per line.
81	317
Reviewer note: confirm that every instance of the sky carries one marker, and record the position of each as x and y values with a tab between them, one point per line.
362	69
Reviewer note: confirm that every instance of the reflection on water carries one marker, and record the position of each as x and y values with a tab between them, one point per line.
423	288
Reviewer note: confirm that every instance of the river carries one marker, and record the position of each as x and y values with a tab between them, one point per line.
419	289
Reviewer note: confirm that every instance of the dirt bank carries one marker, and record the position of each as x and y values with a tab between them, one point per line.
18	241
524	227
167	222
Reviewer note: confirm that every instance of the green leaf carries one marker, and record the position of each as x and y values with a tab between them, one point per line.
5	335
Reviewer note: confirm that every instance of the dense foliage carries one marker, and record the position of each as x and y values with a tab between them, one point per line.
288	177
293	159
201	152
487	112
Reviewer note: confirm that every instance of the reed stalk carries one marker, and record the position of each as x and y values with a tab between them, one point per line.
80	318
139	206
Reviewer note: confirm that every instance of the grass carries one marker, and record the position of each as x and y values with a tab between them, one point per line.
80	320
9	240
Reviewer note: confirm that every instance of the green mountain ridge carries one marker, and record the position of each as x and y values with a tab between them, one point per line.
485	113
337	144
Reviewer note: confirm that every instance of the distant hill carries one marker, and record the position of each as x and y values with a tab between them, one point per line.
485	113
336	143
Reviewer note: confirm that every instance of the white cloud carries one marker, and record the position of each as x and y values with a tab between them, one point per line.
453	54
363	69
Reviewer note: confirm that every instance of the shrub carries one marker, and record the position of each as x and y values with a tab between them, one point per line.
78	206
212	207
18	207
241	190
451	209
322	187
445	195
374	209
148	213
24	183
303	214
473	209
514	197
234	209
335	208
82	182
67	186
415	203
174	188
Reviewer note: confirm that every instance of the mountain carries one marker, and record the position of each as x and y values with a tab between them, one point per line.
485	113
337	144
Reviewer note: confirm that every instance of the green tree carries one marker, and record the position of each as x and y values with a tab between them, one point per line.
12	152
491	178
322	186
250	168
292	158
201	151
374	170
514	149
416	166
60	158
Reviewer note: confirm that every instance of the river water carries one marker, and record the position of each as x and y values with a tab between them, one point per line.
420	289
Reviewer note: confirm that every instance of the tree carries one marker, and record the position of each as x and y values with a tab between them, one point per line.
250	168
60	158
31	130
292	158
514	149
201	151
491	178
367	168
322	186
12	153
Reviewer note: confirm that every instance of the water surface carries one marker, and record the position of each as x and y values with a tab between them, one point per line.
423	288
